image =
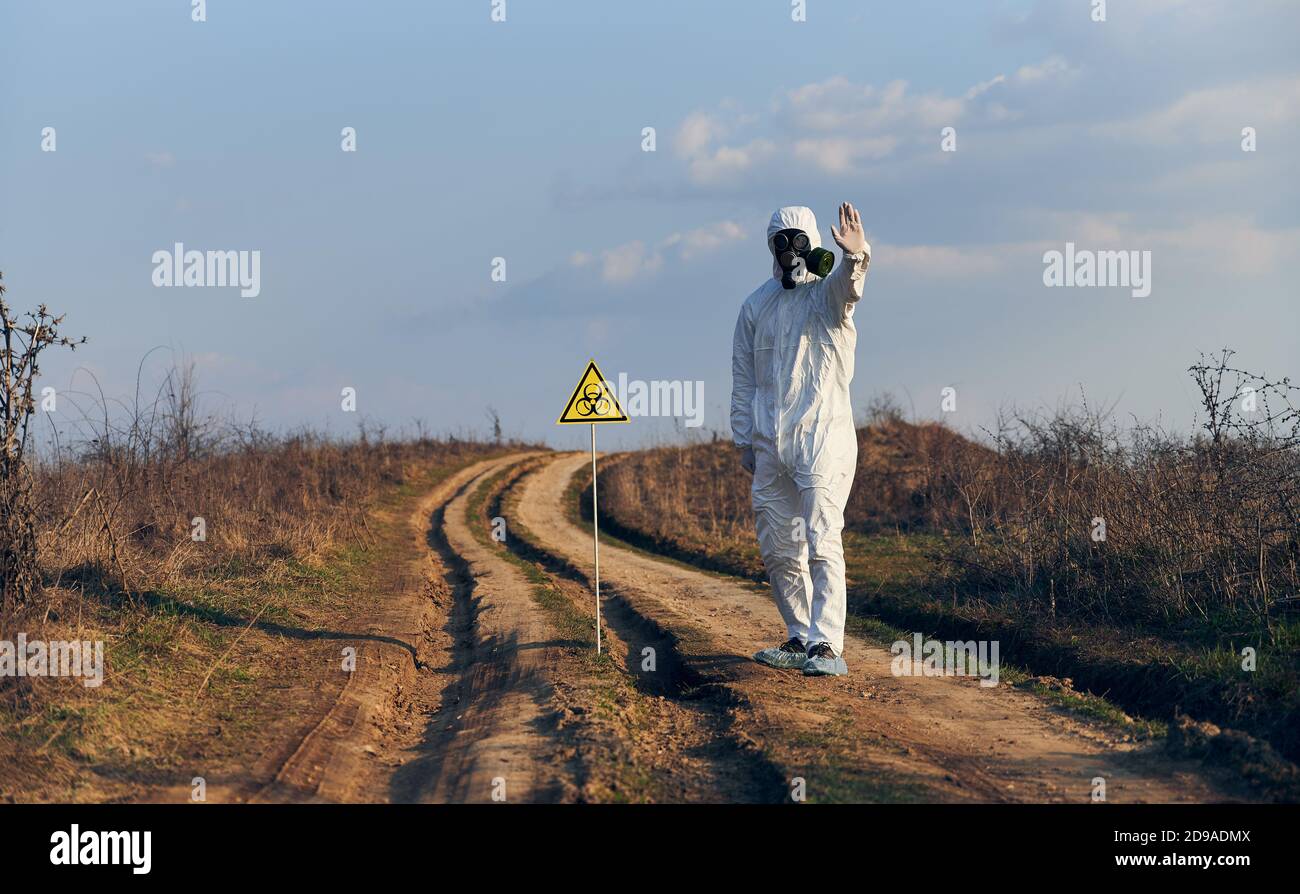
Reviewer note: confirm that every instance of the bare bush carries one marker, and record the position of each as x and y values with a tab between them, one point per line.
25	339
1072	514
144	494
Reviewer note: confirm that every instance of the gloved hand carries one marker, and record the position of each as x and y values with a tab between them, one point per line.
850	236
747	459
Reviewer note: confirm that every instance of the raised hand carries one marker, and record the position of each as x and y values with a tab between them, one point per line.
850	236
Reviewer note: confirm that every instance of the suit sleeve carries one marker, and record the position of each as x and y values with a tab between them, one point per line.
844	285
742	379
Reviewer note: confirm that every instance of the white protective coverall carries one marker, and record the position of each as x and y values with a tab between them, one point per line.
791	365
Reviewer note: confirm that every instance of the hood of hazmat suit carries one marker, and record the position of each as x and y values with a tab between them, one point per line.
792	362
793	217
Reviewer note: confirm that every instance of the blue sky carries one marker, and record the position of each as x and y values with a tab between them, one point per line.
523	140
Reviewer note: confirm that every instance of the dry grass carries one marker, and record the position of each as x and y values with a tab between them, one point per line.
696	499
1195	528
212	649
210	642
1073	516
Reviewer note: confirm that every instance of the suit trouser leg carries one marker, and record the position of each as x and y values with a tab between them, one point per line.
777	514
823	511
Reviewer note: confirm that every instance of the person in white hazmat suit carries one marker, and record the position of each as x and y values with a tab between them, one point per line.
791	364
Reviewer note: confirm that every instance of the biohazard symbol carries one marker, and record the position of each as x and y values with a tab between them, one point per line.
592	401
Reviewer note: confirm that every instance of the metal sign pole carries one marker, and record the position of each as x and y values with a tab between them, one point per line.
595	532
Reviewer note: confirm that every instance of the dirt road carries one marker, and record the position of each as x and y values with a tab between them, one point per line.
478	683
871	733
449	700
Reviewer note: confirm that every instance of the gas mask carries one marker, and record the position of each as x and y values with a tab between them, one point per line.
793	251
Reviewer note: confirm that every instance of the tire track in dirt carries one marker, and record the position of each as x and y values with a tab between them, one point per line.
492	736
373	730
462	680
531	707
870	735
692	730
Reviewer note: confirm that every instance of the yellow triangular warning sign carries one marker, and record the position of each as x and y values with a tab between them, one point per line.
592	401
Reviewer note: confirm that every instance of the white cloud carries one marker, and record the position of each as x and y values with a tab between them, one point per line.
1229	243
835	125
939	261
627	262
1215	114
635	259
726	163
695	133
1212	243
836	104
704	240
985	86
1049	68
838	155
